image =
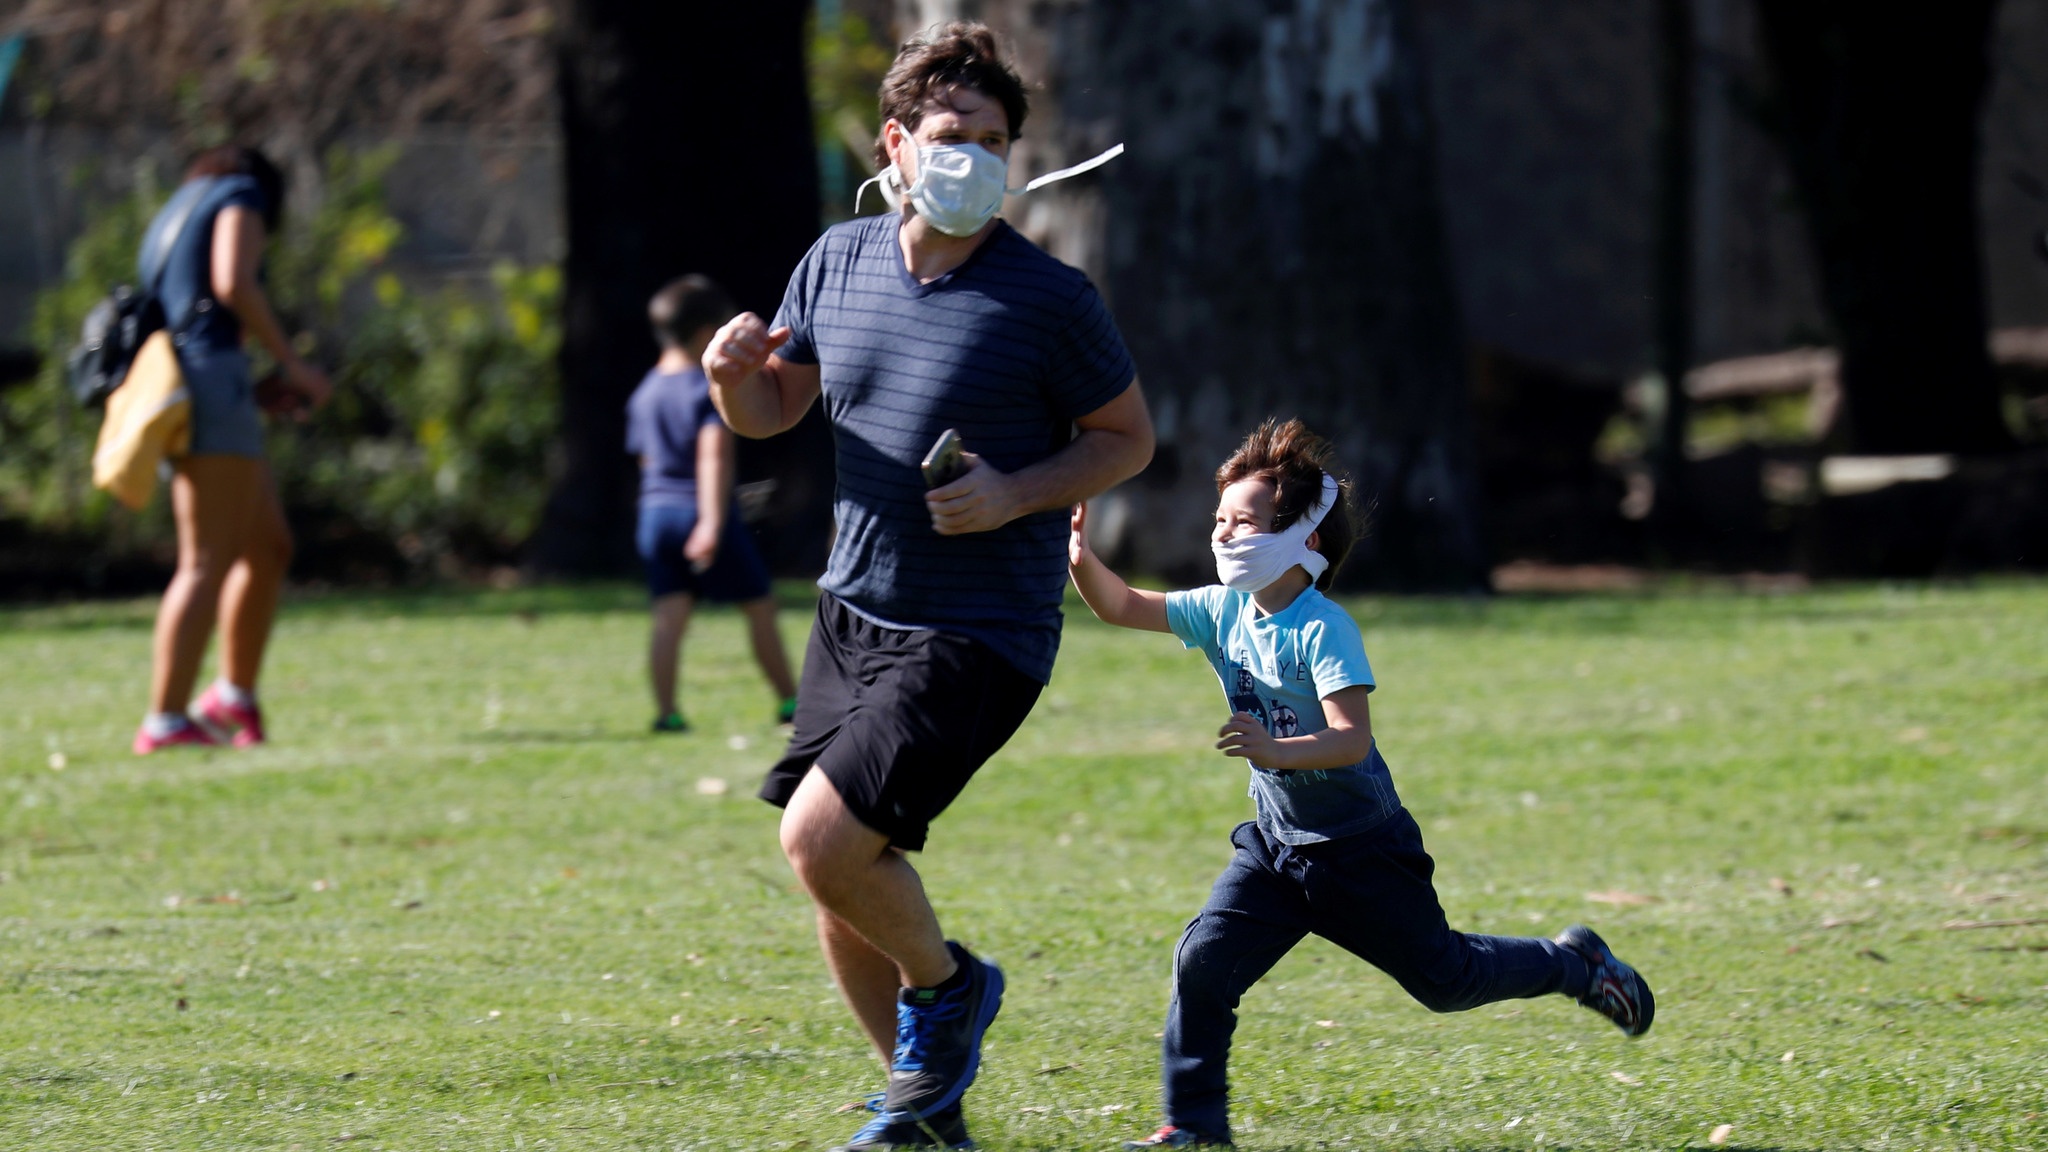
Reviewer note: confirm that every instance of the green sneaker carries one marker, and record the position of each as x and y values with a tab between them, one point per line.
785	712
671	722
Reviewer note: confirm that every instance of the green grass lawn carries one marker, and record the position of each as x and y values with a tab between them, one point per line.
465	901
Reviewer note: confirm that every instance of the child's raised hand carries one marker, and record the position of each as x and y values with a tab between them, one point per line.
1077	537
1243	735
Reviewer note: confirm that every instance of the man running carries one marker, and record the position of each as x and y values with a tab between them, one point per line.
939	614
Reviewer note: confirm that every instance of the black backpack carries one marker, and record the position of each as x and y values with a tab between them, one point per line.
114	330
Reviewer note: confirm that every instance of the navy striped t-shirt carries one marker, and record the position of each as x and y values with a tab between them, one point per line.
1010	348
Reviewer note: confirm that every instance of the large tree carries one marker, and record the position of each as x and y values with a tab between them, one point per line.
1271	243
1878	108
687	148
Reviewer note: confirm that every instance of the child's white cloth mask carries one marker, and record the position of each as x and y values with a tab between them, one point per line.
1252	562
959	187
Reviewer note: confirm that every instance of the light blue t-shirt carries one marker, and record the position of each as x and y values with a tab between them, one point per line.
1279	668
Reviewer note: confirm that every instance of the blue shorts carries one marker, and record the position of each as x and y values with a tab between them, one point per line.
225	420
737	574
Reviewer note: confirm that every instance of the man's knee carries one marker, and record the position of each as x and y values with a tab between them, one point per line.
826	845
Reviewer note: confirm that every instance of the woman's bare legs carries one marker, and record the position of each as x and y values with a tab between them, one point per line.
248	598
767	642
214	501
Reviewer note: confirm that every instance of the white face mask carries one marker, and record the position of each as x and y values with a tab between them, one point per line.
959	187
1252	562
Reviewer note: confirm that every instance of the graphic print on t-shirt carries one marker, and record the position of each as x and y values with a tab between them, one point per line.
1281	668
1244	692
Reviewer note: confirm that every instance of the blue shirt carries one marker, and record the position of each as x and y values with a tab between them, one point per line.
186	285
663	418
1279	668
1010	348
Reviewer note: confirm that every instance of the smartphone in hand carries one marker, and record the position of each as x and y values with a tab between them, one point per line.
944	463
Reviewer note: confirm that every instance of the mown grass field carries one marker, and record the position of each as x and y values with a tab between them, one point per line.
464	901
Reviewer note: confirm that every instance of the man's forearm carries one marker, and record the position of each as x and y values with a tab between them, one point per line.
752	408
1091	464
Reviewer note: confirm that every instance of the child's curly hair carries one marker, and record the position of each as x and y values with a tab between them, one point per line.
1293	459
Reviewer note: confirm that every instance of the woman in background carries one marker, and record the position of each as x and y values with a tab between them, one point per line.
233	543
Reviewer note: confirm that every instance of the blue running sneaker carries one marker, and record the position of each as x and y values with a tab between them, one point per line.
946	1129
938	1039
1617	991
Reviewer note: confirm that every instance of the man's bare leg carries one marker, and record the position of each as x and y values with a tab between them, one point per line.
867	978
851	872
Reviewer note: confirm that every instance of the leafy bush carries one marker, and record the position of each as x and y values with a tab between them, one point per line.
435	449
46	440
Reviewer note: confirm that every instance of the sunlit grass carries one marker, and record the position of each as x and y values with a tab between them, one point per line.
464	901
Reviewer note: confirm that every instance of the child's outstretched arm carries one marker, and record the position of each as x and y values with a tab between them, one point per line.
1113	601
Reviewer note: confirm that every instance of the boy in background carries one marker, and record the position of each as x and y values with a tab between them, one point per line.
690	533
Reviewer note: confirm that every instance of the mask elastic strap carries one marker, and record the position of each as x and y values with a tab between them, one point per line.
862	190
1314	562
1084	166
1324	502
877	178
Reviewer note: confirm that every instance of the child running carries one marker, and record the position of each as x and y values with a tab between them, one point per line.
689	532
1332	851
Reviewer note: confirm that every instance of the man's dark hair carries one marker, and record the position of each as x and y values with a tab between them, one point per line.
1293	459
237	160
939	60
684	305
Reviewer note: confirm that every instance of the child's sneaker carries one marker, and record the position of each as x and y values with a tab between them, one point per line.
187	734
938	1039
1169	1136
1617	991
221	716
947	1129
671	722
785	712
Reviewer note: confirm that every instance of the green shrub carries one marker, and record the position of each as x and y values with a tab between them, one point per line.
46	440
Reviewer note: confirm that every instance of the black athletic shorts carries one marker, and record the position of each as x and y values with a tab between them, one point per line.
898	719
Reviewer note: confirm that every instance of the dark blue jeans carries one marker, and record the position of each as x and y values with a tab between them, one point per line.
1368	894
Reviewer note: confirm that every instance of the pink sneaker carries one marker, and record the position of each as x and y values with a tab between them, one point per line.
191	734
245	721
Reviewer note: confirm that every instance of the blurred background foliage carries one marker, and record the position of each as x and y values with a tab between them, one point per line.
433	456
848	56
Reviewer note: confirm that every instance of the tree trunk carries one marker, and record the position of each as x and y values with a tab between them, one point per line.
1271	244
1674	273
1879	111
687	148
